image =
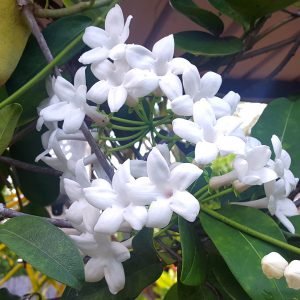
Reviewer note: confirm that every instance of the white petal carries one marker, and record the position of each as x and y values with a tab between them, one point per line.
277	147
114	21
157	168
264	174
74	213
165	152
231	144
101	198
220	107
90	216
228	124
110	220
285	221
103	70
116	98
171	86
163	50
182	106
73	120
125	33
209	84
121	177
183	175
117	52
55	112
136	216
287	207
159	214
258	157
241	167
138	168
185	205
232	99
139	57
120	252
94	270
178	65
205	152
95	37
98	93
95	55
64	89
203	113
114	276
73	189
191	81
286	159
79	78
187	130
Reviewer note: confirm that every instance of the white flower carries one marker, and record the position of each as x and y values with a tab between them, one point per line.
273	265
106	259
292	274
281	165
72	107
252	168
276	202
171	184
105	43
116	203
206	87
212	137
118	84
81	214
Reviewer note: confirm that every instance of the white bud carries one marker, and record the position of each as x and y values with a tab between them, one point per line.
273	265
292	274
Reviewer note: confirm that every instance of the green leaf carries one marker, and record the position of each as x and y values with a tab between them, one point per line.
202	17
9	116
226	280
44	246
243	253
286	113
193	255
227	10
142	269
41	189
254	9
58	35
6	295
203	43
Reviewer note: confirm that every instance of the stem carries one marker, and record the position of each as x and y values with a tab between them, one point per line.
100	155
44	72
165	137
66	11
129	144
127	121
217	195
10	213
200	191
138	112
250	231
29	167
124	128
120	139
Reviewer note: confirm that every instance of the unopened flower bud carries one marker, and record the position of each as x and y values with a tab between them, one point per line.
292	274
273	265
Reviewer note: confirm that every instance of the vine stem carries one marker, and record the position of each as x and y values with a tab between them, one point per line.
10	213
250	231
217	195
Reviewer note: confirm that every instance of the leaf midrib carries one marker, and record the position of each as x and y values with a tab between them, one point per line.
52	258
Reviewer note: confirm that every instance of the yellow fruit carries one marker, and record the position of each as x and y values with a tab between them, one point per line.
14	33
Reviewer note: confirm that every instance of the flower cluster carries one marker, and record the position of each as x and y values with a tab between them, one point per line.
146	193
275	266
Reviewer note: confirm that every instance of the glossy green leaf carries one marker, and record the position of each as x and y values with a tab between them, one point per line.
254	9
226	280
142	269
243	253
40	189
194	258
203	43
58	35
202	17
45	247
227	10
9	116
286	113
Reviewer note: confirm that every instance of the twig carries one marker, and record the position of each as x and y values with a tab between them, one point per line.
269	48
62	12
100	155
295	14
10	213
285	60
23	132
29	167
27	12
